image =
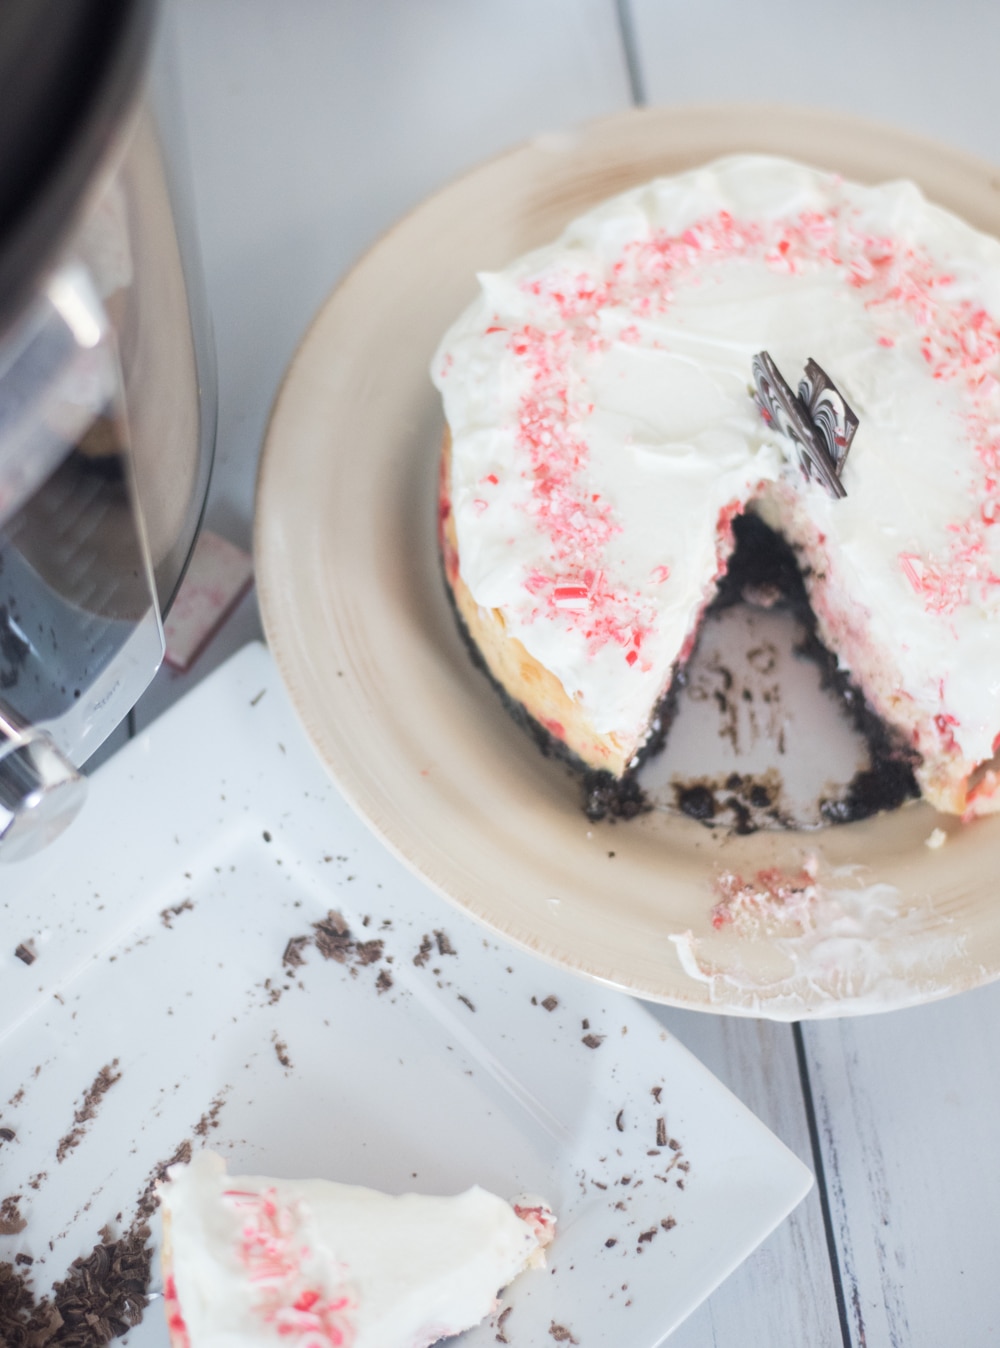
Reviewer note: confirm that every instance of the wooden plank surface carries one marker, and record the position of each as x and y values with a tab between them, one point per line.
784	1293
907	1105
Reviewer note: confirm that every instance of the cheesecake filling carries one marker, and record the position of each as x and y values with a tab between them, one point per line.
316	1264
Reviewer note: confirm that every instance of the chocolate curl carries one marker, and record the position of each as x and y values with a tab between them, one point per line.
817	419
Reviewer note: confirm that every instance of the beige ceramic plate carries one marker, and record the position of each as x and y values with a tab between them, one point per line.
859	918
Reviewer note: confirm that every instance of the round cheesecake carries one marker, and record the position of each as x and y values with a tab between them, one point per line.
603	434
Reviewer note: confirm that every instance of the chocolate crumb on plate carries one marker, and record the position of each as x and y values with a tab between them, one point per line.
561	1334
333	937
87	1111
292	957
550	1003
444	945
593	1040
102	1297
11	1221
501	1321
167	915
25	952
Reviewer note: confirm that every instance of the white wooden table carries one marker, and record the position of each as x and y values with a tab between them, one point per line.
314	124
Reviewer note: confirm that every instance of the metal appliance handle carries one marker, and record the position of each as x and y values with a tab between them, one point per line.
40	792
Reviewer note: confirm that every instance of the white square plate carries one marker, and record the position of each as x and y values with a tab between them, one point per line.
160	925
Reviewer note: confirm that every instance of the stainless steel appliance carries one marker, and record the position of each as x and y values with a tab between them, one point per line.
107	408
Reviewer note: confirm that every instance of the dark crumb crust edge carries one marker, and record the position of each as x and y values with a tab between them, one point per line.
762	558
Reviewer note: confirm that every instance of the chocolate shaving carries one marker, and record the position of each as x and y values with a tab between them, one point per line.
550	1003
98	1088
661	1132
424	953
444	946
333	938
593	1040
210	1119
501	1321
26	952
148	1200
561	1334
102	1297
292	958
369	952
168	914
11	1221
817	419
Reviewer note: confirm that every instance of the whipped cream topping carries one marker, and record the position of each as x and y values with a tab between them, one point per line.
603	435
315	1264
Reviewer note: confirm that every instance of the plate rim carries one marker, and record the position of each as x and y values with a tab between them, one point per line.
689	992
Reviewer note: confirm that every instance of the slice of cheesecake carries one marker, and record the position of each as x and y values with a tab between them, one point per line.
315	1264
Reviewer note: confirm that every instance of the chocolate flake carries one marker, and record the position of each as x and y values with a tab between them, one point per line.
561	1334
668	1223
7	1135
87	1110
281	1051
444	945
593	1040
610	1243
210	1119
103	1296
424	953
148	1200
11	1221
292	958
501	1321
384	981
648	1235
333	937
168	914
661	1132
369	952
25	952
550	1003
620	1120
463	998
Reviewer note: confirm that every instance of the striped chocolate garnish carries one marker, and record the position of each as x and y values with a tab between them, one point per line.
818	419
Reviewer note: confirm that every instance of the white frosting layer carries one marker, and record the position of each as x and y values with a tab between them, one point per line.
597	395
314	1264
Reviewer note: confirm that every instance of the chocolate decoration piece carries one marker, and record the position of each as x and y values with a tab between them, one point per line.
829	412
817	419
